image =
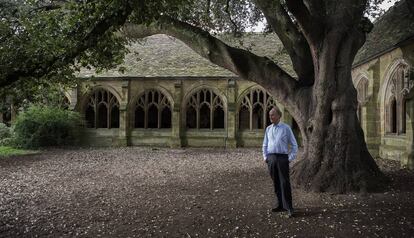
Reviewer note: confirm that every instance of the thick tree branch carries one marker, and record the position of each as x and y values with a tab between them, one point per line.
42	68
292	39
241	62
311	25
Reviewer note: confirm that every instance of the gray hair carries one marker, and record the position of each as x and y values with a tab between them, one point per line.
277	110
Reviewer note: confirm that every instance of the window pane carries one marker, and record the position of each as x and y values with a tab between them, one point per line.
115	117
90	117
257	118
205	116
191	117
152	117
244	118
166	118
102	119
393	116
139	117
218	118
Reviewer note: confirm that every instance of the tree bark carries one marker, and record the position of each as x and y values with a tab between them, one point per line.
335	157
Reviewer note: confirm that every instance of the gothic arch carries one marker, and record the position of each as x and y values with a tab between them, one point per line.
214	119
362	86
88	93
151	108
142	90
396	85
101	108
254	97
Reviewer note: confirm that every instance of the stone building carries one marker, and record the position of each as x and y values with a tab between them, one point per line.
383	76
167	95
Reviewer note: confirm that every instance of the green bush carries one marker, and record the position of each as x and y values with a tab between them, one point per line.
42	126
5	134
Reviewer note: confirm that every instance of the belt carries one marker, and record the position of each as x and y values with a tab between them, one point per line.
277	154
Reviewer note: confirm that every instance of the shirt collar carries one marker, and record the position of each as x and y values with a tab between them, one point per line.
276	125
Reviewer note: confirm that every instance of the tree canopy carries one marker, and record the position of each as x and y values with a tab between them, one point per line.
48	40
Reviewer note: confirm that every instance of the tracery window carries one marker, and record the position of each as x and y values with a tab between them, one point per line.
102	110
362	96
395	104
254	110
205	110
152	110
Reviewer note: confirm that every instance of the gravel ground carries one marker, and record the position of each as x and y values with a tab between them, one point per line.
160	192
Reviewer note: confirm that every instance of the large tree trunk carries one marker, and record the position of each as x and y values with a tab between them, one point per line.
335	156
336	159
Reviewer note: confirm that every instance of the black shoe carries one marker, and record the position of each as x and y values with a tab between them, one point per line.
278	209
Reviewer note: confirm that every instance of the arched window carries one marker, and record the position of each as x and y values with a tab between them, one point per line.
102	110
152	110
205	110
396	91
362	96
393	115
254	109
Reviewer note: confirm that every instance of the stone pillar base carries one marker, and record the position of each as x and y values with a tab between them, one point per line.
121	142
231	143
175	143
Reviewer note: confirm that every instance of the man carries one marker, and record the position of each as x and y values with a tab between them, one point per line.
277	155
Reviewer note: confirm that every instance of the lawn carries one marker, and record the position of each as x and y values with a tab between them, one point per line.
9	151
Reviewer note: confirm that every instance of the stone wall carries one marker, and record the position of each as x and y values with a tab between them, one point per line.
177	90
376	110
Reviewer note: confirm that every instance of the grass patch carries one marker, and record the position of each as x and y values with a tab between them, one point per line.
9	151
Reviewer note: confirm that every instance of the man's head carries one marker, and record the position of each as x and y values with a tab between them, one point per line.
275	114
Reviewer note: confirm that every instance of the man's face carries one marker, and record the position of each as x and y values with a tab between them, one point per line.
274	117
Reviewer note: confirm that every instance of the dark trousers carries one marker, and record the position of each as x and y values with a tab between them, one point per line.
278	165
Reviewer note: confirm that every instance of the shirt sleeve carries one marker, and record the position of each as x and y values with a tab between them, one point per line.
294	145
264	149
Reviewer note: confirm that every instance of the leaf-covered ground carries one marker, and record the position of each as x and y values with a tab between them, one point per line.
144	192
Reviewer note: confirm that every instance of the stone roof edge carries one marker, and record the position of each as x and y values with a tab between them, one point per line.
382	52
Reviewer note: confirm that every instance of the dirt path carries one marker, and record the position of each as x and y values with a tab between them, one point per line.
144	192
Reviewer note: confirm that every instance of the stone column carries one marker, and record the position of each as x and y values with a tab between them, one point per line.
176	130
123	116
231	114
408	156
371	112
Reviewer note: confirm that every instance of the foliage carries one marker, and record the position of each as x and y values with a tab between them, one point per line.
41	42
5	134
42	126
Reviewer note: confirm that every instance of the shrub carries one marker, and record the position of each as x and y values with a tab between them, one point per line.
42	126
5	134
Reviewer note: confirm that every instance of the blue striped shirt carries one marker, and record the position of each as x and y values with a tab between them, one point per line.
277	139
